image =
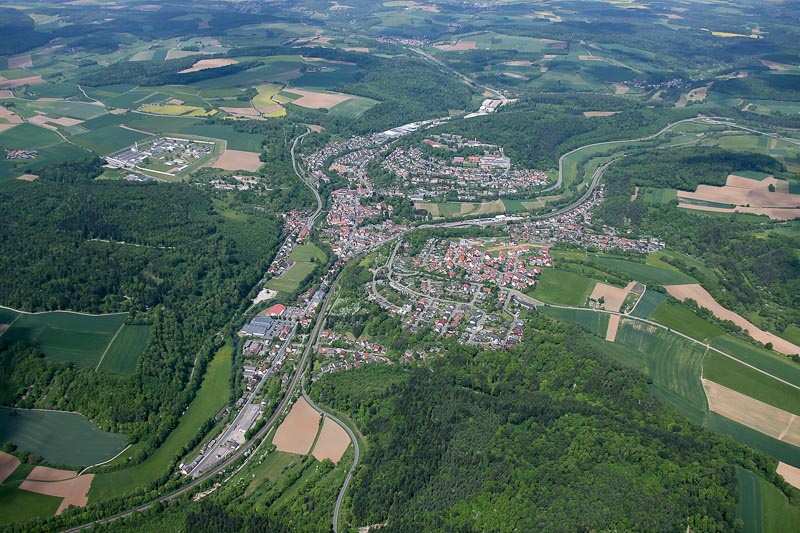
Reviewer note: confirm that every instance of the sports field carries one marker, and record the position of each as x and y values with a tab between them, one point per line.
561	287
292	278
210	399
65	336
61	438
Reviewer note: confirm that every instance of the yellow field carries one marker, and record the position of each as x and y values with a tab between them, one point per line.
178	110
265	94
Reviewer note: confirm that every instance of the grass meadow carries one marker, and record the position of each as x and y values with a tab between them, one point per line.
561	287
123	354
211	397
595	322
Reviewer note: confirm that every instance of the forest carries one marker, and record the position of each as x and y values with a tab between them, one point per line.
159	251
154	73
543	437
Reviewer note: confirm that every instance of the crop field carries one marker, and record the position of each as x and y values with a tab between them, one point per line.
64	336
49	155
649	303
561	287
782	451
123	354
177	110
680	318
247	142
28	136
21	505
210	399
673	364
595	322
658	196
109	139
658	259
135	98
729	373
762	506
60	437
79	110
645	273
7	316
760	358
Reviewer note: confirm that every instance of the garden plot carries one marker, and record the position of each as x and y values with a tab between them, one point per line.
704	299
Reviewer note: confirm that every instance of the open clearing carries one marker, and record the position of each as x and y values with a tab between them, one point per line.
297	431
237	160
73	491
8	463
332	442
590	114
613	326
752	413
204	64
613	297
697	293
790	474
59	437
317	100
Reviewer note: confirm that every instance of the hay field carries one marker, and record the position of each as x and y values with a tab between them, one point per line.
790	473
332	442
704	299
8	463
613	326
297	431
237	160
122	355
752	413
562	287
73	491
204	64
597	323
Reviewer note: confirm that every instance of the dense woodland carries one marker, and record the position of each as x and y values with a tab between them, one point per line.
155	73
544	437
157	250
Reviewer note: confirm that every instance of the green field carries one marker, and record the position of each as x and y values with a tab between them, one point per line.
748	500
292	278
595	322
672	363
776	365
28	136
561	287
646	273
22	505
681	318
7	316
123	354
65	336
777	514
108	139
211	398
60	437
778	449
649	302
307	252
353	108
727	372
